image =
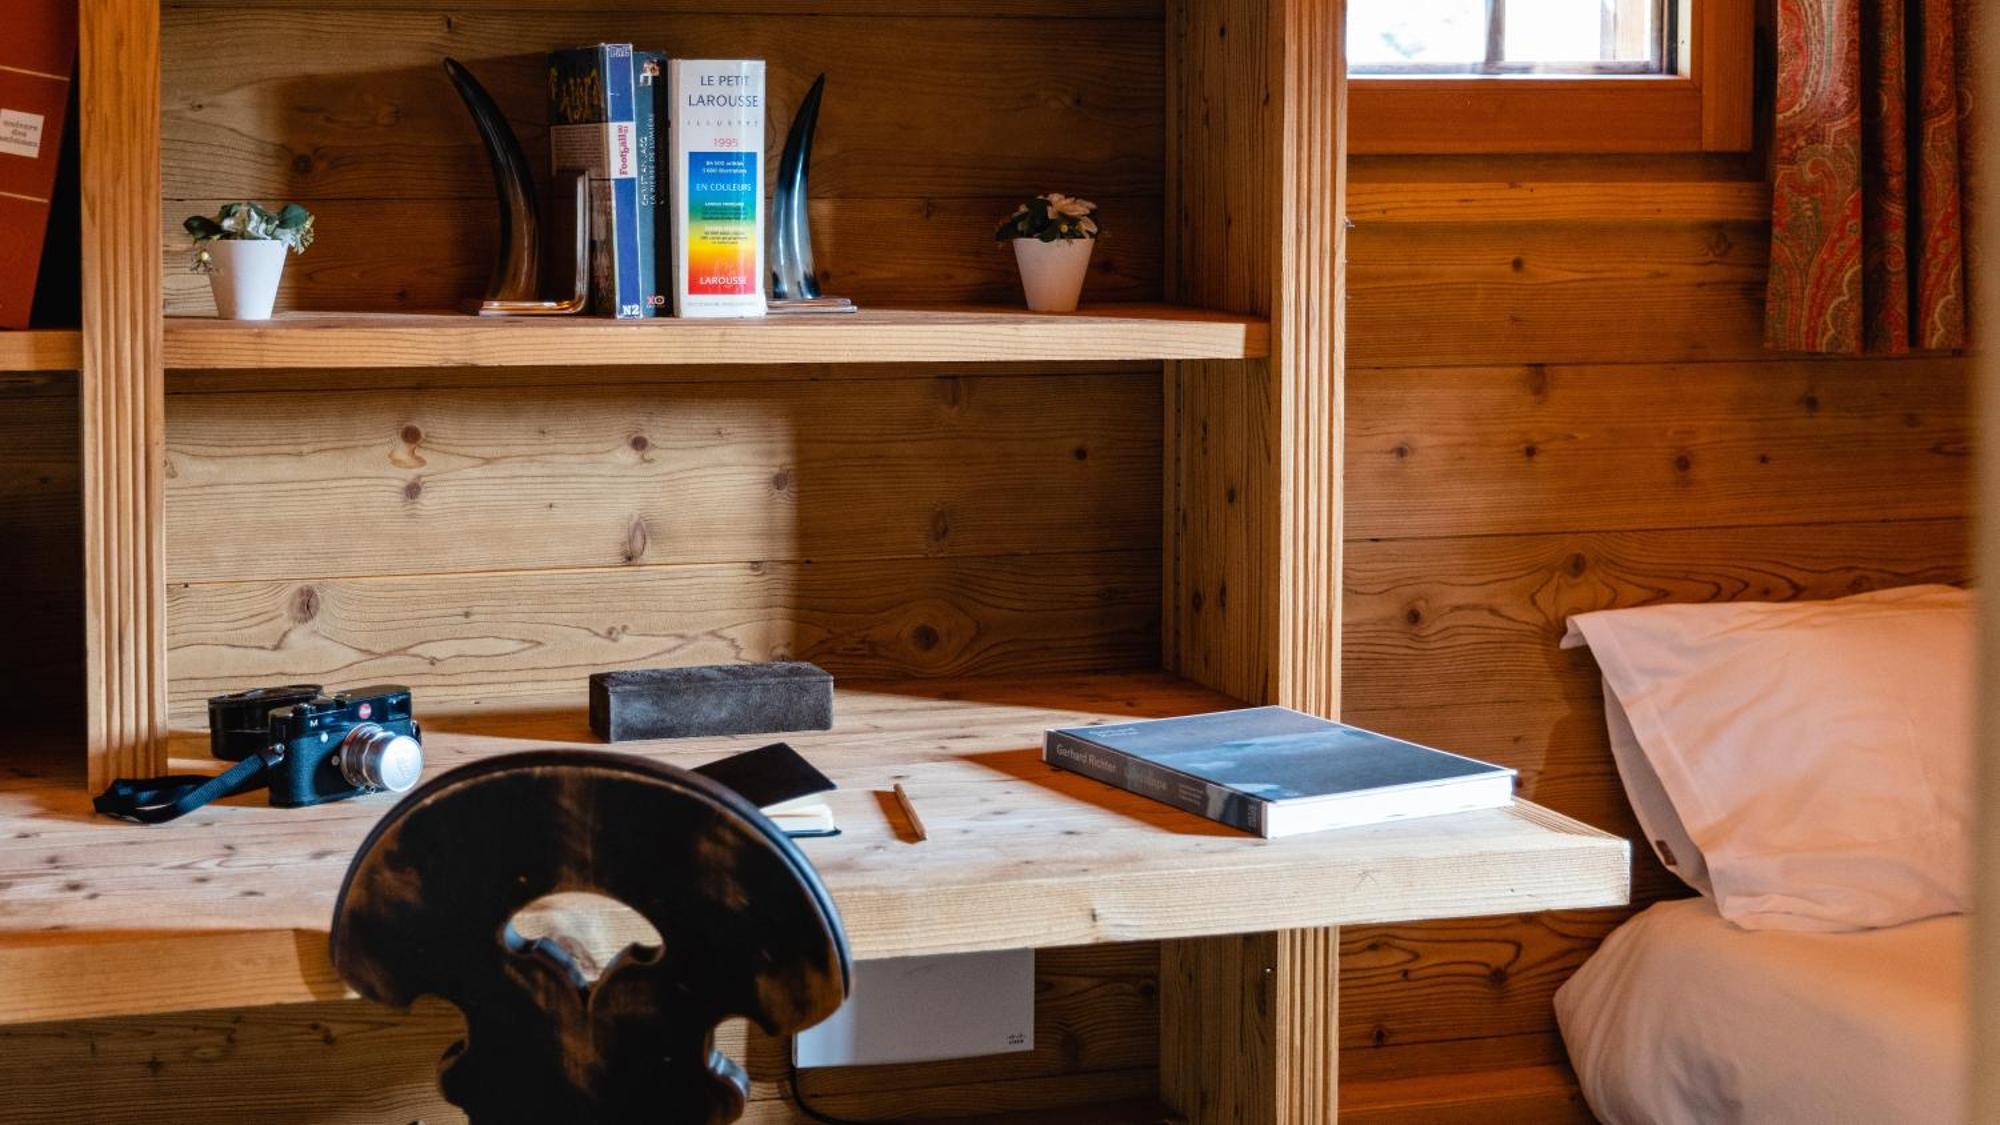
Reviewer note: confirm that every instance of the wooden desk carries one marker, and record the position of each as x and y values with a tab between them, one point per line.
231	906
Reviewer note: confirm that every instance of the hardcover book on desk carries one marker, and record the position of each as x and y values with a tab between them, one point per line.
1275	772
37	58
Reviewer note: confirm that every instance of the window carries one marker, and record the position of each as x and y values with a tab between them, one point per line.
1549	76
1467	37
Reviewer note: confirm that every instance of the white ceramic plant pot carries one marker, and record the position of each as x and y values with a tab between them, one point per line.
1052	272
245	277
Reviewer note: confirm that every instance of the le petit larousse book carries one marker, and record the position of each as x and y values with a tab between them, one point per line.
593	126
1273	771
717	186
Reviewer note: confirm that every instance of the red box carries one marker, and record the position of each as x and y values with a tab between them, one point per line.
37	64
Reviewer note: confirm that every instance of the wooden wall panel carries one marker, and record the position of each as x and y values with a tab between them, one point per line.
1480	451
486	542
503	479
919	153
41	554
350	102
1530	1095
332	1063
1501	292
468	638
1374	202
1438	624
1480	978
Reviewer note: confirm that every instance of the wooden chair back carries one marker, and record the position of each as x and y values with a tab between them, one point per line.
745	925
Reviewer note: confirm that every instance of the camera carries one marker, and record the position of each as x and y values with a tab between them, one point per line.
321	747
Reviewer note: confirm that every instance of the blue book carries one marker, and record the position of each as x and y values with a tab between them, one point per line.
1273	771
592	126
649	69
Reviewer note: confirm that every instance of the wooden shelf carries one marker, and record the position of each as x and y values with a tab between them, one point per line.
940	335
237	899
41	349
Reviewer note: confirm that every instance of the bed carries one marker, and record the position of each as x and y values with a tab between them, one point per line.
1807	770
1682	1017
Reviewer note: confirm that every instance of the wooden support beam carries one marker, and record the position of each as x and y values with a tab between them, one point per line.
1249	1028
122	396
1256	226
1257	177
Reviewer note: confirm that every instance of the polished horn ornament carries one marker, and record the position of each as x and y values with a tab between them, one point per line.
794	281
516	285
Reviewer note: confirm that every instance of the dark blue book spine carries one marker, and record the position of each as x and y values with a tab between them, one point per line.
619	97
1150	779
591	129
649	69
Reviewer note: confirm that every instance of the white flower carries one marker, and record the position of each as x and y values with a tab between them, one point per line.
1069	205
1088	226
244	221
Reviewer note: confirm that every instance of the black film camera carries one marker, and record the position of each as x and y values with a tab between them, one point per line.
320	747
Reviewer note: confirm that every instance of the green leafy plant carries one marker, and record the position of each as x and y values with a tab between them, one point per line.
248	222
1048	218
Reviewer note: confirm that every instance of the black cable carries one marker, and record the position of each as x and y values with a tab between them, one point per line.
805	1107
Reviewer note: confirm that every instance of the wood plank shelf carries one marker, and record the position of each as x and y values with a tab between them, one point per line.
237	898
932	335
41	349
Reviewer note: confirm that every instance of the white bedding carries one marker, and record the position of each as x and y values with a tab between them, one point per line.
1681	1017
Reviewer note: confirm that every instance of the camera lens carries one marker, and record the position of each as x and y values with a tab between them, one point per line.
372	757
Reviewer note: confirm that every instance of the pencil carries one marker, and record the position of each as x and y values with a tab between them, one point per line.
910	810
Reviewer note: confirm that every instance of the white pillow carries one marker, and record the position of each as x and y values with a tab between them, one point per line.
1649	799
1819	754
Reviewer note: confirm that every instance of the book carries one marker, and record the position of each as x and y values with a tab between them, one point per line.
649	79
592	127
803	818
717	139
777	779
37	64
1273	771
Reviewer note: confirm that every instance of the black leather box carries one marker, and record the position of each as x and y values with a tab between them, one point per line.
710	700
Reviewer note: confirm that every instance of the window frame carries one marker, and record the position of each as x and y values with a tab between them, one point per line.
1704	107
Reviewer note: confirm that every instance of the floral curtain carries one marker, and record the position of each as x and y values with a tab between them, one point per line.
1867	230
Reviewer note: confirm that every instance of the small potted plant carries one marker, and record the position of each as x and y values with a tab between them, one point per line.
242	250
1052	236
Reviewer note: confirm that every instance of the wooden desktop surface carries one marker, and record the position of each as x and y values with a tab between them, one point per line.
231	906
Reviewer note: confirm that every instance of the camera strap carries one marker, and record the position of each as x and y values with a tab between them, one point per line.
156	800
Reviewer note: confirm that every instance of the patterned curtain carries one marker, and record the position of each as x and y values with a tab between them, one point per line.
1867	225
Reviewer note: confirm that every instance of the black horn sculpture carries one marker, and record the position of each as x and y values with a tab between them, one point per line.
516	285
794	280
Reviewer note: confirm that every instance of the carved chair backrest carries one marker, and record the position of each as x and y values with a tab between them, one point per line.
746	930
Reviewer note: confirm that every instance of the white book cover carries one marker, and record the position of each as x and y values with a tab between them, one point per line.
718	186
